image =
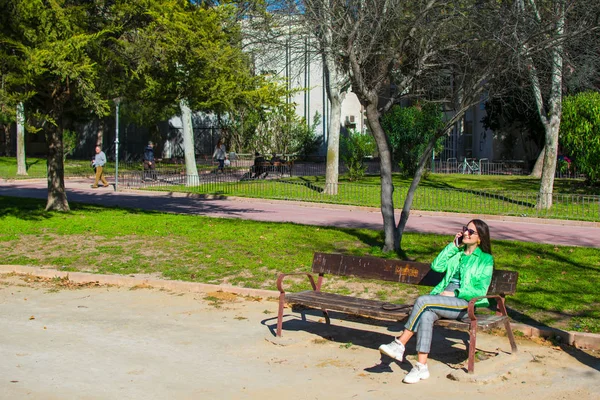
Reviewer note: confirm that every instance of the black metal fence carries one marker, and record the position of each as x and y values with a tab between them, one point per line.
306	182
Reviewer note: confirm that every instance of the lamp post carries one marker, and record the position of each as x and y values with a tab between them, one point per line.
117	103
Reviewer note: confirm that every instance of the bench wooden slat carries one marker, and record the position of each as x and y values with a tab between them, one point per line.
483	322
374	308
411	272
347	304
373	268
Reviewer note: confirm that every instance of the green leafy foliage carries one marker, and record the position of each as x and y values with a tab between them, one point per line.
409	130
70	139
282	131
194	53
580	132
355	147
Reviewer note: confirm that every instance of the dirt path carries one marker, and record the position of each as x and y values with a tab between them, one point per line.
66	341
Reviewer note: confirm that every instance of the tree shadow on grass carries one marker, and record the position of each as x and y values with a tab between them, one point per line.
305	183
31	164
29	209
22	208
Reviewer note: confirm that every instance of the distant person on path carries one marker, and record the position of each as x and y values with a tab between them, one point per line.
276	164
149	163
98	163
258	165
219	154
275	159
468	266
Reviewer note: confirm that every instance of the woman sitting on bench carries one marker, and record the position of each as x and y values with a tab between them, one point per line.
468	266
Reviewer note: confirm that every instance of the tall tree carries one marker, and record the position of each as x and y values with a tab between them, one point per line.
12	97
20	120
191	56
50	42
395	48
543	33
302	34
321	14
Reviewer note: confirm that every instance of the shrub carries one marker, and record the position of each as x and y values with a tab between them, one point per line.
69	142
580	132
409	130
355	147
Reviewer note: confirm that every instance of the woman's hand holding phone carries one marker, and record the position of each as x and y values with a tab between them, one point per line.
458	239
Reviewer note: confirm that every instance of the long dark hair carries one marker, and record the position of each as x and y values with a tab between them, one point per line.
483	230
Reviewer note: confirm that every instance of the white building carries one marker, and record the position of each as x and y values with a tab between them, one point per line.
296	61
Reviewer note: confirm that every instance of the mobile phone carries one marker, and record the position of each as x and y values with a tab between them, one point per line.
458	241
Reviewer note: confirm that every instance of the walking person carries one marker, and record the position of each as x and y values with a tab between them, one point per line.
149	163
98	163
468	266
220	154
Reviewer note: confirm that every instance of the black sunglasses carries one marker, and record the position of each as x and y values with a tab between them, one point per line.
469	231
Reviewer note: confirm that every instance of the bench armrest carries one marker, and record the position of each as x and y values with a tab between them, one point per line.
471	307
282	276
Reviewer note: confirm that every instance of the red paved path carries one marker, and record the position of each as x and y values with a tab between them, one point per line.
559	232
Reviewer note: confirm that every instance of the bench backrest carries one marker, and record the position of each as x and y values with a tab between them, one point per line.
414	273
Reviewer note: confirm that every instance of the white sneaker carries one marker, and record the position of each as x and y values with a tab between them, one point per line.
418	372
394	350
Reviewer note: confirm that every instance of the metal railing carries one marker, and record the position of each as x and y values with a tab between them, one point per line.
484	166
306	182
280	184
74	168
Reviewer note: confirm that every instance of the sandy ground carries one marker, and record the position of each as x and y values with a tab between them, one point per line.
69	341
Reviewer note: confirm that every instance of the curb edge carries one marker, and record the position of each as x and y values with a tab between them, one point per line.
581	340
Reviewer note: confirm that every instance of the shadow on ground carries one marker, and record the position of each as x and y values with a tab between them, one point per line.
449	346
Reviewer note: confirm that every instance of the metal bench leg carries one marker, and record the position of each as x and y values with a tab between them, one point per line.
511	337
472	346
509	332
326	315
280	314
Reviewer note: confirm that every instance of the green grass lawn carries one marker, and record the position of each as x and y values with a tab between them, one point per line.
491	183
558	286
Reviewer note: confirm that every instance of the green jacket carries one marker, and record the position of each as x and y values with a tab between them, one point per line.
475	277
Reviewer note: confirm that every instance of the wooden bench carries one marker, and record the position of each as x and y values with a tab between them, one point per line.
279	167
415	273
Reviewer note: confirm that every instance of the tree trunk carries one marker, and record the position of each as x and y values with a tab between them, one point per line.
21	165
333	145
191	171
536	172
387	188
549	168
100	133
57	197
410	195
7	144
551	119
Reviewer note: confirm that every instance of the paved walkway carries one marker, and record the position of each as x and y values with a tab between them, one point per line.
560	232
